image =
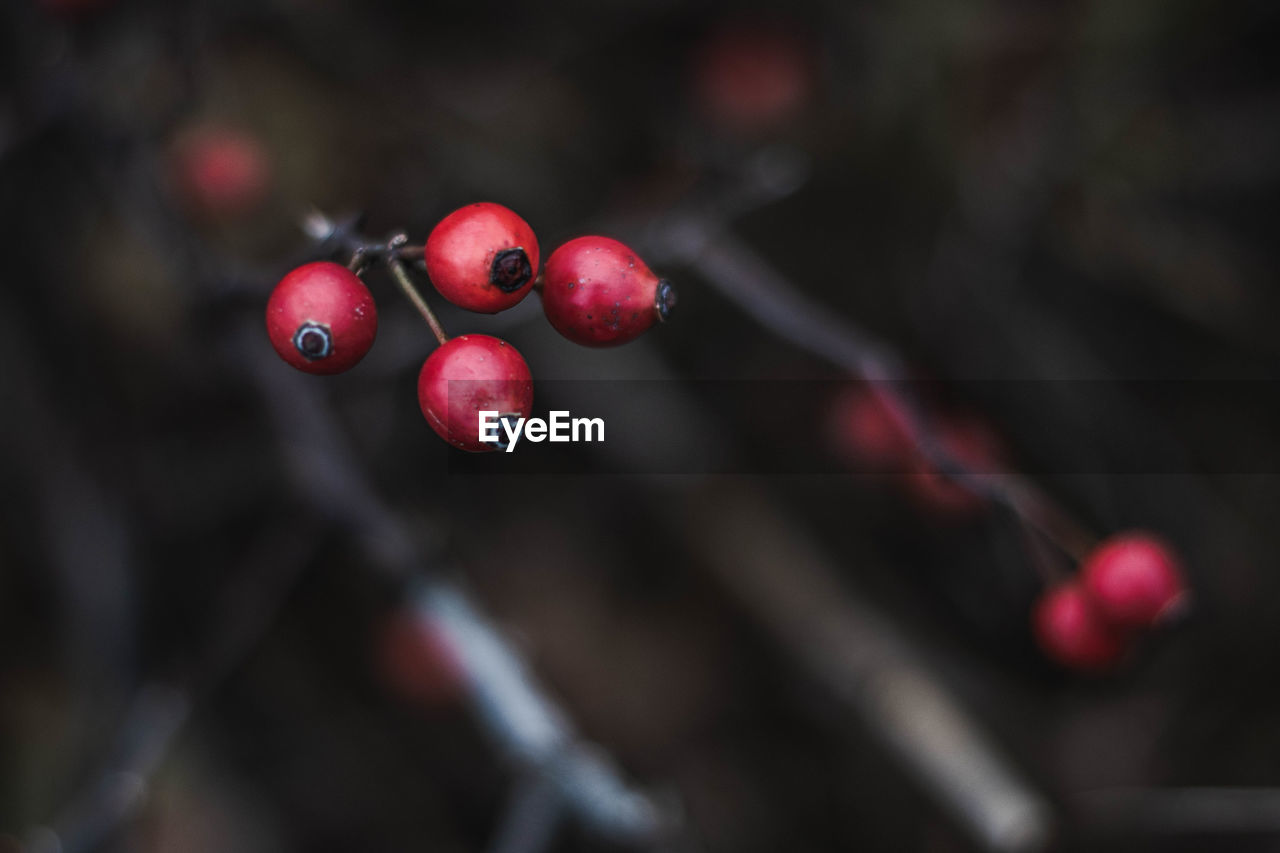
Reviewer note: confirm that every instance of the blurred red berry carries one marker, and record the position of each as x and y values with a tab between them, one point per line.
598	293
221	171
870	429
1134	579
482	257
417	662
321	318
1072	632
973	444
753	75
467	375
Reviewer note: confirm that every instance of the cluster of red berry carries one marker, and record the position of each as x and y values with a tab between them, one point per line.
483	257
1128	584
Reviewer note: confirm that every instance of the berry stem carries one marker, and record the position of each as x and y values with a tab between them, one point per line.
1050	520
401	275
409	253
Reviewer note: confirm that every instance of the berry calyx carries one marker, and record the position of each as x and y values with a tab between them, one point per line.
482	257
598	293
220	171
321	318
1135	580
1073	633
468	375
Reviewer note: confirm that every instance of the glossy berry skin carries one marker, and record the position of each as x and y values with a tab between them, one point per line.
416	660
598	293
321	318
467	375
221	171
1073	633
482	257
1135	580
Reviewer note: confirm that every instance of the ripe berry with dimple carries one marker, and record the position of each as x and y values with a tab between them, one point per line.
1072	632
321	318
468	375
1134	579
221	171
598	293
482	257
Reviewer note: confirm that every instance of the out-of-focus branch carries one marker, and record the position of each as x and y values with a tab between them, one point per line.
741	275
524	723
1177	811
116	793
160	711
531	818
797	594
781	577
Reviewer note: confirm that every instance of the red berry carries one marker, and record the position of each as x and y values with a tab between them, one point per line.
871	430
482	257
468	375
1073	633
971	443
221	171
752	76
321	318
597	293
417	661
1134	580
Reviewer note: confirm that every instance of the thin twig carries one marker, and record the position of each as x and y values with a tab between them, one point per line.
741	275
396	267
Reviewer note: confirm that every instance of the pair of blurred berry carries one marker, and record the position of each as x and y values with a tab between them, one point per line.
1127	585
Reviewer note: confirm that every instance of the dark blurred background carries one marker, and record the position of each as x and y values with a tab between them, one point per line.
1061	214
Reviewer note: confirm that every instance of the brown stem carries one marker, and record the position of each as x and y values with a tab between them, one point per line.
358	260
401	275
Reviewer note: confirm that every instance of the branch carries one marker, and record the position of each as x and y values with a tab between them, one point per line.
792	588
1177	811
523	722
745	278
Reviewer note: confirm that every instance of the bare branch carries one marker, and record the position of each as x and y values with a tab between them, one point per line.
791	587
